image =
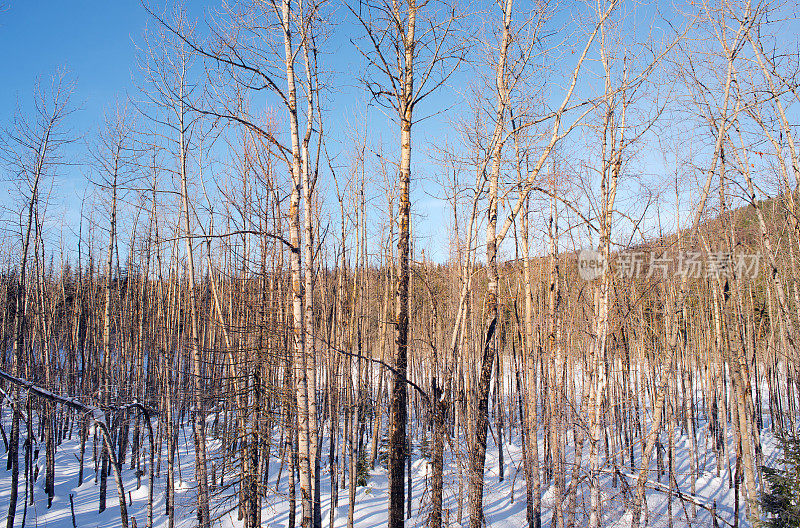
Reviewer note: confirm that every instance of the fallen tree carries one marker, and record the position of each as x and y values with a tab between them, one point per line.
99	418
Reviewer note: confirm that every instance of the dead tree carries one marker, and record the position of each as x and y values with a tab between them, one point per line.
412	50
32	149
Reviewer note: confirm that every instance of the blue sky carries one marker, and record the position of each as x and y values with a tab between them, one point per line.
96	40
90	38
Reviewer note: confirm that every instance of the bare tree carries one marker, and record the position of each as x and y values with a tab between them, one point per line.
413	49
169	70
32	150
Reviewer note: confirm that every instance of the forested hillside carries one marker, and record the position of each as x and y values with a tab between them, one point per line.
574	303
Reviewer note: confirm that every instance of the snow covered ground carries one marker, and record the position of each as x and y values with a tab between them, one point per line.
504	501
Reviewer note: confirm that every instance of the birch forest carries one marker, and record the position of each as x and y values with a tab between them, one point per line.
408	263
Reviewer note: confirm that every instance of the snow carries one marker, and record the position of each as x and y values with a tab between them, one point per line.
504	502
